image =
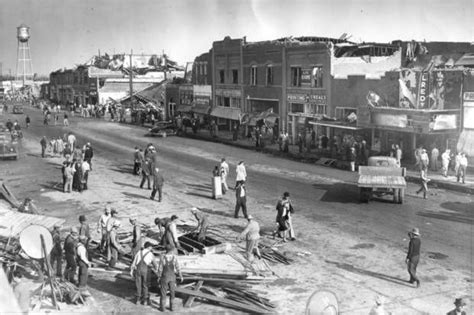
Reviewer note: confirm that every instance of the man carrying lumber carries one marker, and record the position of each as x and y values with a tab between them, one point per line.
136	237
252	235
83	262
203	223
167	269
113	246
143	263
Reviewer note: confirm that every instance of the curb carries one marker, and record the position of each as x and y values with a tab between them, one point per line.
339	164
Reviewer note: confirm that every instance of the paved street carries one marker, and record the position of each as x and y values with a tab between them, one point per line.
355	250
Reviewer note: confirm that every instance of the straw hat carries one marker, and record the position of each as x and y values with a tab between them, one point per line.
459	302
415	231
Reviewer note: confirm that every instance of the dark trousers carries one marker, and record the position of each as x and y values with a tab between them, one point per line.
156	189
136	168
142	282
83	269
145	178
241	203
103	240
113	257
461	173
164	286
412	264
43	150
71	267
57	261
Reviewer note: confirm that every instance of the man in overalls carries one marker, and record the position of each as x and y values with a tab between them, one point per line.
143	262
168	268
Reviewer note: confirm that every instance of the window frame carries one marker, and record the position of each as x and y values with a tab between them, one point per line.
221	76
295	72
253	75
269	75
235	76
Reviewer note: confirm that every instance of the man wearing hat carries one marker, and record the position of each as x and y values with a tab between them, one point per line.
56	256
102	227
413	255
143	262
459	304
82	262
114	247
88	154
157	184
70	254
203	223
136	236
146	173
252	235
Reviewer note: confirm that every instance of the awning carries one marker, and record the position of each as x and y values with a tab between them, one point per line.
251	119
183	108
201	109
226	112
335	125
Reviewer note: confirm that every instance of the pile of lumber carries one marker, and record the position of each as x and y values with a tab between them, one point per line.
234	294
272	255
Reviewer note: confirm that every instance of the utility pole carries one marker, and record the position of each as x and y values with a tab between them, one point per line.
1	70
131	77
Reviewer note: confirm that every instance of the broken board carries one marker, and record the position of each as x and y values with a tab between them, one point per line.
13	222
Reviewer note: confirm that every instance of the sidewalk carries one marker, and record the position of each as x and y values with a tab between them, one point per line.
437	179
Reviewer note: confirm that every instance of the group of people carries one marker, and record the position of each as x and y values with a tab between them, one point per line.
77	161
145	164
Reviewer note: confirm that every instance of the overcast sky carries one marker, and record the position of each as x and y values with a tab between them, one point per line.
69	32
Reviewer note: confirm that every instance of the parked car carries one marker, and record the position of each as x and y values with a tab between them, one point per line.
7	148
163	129
18	109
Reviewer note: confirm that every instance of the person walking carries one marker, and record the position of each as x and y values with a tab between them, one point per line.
418	156
71	139
70	254
167	270
44	145
434	159
424	182
65	120
83	263
203	223
413	255
144	262
137	160
251	233
286	142
85	169
158	181
240	200
398	155
241	173
282	224
56	255
146	173
224	168
445	158
299	141
102	228
27	121
459	304
461	174
136	236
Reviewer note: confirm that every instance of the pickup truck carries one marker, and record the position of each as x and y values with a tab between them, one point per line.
382	177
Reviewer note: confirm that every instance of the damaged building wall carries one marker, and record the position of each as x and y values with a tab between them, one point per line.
373	67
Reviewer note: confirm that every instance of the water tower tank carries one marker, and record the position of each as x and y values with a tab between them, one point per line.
23	33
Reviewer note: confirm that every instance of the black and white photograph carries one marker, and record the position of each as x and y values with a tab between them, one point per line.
237	157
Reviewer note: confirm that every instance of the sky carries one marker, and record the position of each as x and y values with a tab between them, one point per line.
65	33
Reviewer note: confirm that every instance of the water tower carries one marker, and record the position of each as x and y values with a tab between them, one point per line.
24	65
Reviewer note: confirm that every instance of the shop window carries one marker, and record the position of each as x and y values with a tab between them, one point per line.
253	75
221	76
235	76
317	77
235	102
297	108
270	75
316	109
226	102
295	76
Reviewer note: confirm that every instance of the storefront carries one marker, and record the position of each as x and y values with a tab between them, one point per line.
227	108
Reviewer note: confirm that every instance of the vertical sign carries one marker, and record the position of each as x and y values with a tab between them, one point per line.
306	77
423	90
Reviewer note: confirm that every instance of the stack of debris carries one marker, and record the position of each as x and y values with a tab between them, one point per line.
272	255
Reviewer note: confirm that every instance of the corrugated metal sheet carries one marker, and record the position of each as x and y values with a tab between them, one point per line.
13	222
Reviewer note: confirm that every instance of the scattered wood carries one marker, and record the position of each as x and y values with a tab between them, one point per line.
272	255
190	299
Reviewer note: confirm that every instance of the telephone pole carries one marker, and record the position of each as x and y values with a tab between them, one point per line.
131	77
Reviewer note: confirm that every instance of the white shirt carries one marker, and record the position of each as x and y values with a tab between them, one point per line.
103	220
85	167
82	253
146	255
240	172
225	168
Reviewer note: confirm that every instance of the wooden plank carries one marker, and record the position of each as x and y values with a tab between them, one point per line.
223	301
190	300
